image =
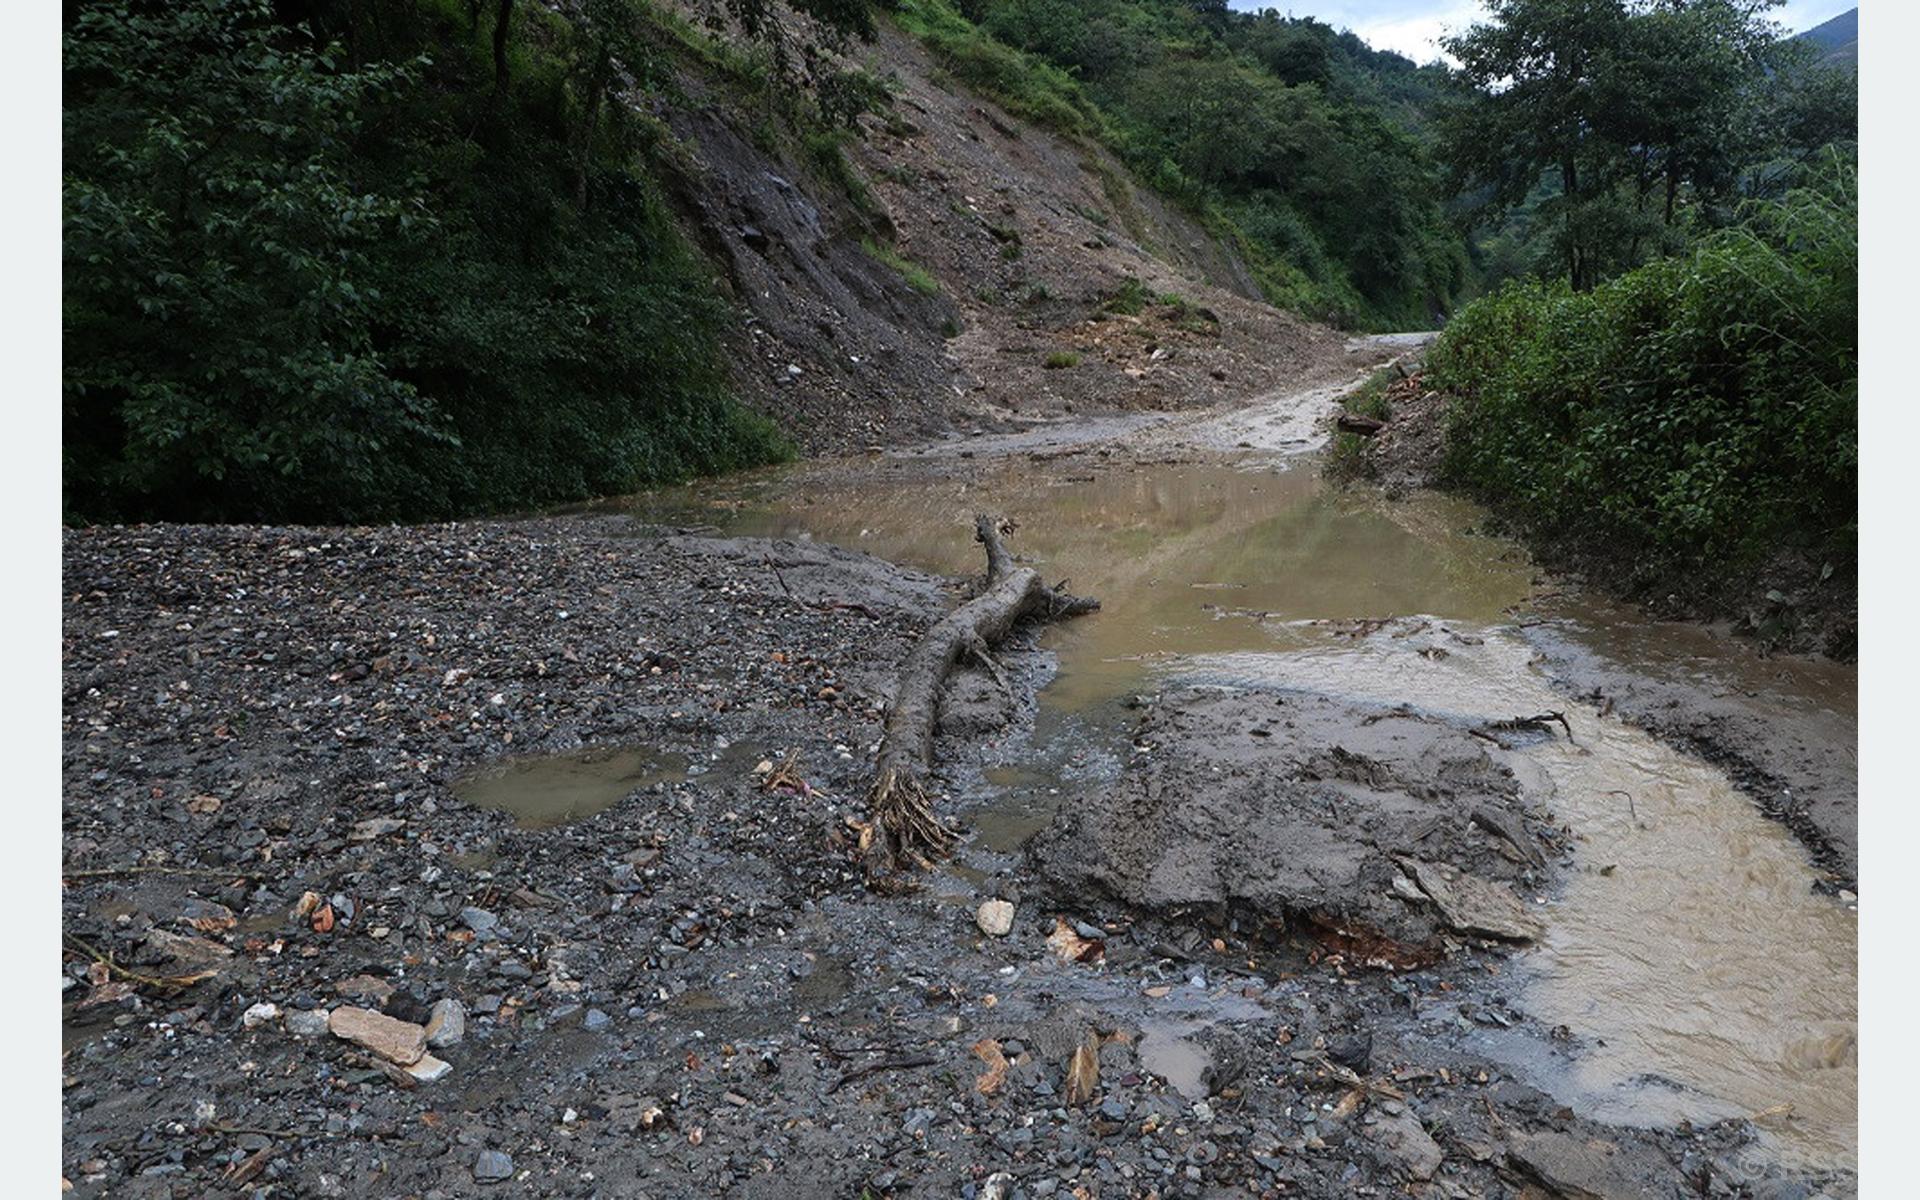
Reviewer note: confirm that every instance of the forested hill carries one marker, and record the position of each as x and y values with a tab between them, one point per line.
398	259
375	259
1301	140
1837	40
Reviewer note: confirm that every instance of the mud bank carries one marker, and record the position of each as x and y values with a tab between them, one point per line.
687	991
1293	811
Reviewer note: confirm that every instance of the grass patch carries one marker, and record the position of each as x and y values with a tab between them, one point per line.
1061	359
918	277
1023	84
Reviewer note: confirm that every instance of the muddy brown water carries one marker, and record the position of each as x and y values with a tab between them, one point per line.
543	792
1699	971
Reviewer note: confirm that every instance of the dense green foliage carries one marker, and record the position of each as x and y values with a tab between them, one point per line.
1598	135
1692	416
1297	143
370	260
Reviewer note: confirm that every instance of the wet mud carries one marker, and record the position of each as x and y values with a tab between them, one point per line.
1304	903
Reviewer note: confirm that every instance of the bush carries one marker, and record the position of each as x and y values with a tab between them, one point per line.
1697	414
1060	359
307	285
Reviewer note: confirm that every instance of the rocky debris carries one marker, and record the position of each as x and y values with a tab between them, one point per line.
1400	1133
994	917
447	1024
1474	905
399	1042
1573	1167
742	968
493	1166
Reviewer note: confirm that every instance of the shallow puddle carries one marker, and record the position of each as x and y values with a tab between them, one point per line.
541	793
1700	974
1185	558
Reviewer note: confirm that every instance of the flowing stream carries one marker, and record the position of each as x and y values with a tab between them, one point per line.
1688	951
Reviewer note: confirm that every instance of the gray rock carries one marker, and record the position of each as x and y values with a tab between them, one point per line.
595	1019
479	920
306	1023
1406	1141
492	1166
446	1023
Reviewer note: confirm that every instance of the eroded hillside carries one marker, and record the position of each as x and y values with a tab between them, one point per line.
980	273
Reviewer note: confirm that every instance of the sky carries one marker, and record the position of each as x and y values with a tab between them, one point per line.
1412	26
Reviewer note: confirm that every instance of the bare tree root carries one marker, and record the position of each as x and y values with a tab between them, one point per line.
901	829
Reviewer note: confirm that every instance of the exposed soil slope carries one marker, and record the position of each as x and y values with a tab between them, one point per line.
1028	237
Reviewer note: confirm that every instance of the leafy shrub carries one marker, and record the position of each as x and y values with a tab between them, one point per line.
413	281
1695	414
1129	299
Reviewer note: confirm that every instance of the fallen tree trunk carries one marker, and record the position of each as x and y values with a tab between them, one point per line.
901	827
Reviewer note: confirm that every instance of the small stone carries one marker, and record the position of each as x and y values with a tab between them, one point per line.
479	920
595	1019
374	827
400	1042
306	1022
259	1014
994	917
430	1069
365	987
492	1166
446	1023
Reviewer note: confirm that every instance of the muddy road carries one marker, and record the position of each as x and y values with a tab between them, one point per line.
1338	854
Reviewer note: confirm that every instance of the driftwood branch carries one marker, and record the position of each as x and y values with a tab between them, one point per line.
901	828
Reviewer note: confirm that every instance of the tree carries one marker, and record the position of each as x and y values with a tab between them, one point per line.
221	288
1635	107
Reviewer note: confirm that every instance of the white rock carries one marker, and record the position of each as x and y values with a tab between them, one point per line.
430	1069
260	1014
994	917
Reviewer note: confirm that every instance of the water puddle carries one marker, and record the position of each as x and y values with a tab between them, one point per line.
542	793
1700	974
1167	1050
1187	558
